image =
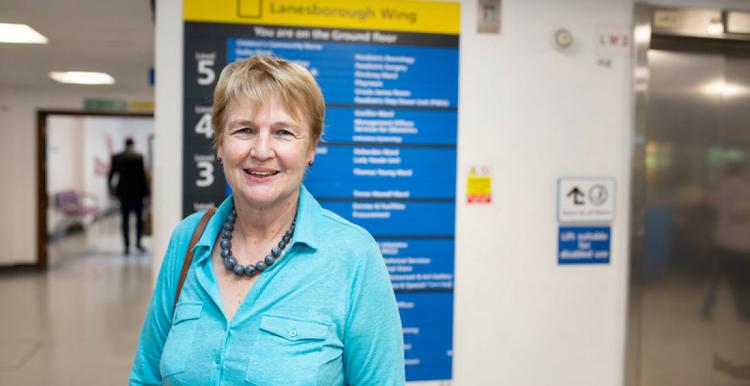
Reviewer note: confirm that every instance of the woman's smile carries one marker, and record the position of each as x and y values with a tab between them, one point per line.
260	175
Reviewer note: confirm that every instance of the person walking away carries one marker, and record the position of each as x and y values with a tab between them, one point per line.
131	188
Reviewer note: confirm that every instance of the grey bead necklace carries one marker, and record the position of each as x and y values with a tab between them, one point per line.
230	262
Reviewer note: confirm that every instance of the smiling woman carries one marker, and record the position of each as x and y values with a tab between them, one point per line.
280	291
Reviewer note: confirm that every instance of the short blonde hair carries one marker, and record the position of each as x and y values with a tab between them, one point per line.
262	78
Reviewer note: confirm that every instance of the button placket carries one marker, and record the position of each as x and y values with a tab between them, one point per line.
224	347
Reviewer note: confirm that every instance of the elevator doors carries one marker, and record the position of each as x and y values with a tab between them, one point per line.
695	272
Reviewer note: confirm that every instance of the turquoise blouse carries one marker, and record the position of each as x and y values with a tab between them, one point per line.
324	314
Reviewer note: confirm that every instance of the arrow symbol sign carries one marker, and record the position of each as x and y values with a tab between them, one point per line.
577	195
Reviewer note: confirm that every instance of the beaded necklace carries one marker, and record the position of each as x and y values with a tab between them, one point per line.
250	270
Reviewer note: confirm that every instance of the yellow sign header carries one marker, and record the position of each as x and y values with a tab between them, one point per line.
386	15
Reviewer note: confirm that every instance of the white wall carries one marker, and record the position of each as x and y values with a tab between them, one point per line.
65	157
18	141
535	114
65	145
167	187
6	158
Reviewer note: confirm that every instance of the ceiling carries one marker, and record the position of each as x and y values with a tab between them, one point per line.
112	36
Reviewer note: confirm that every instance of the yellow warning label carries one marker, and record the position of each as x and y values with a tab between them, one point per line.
388	15
479	186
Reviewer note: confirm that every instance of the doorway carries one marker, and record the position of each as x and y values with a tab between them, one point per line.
76	214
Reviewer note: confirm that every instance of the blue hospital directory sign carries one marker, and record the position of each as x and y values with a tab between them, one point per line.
389	75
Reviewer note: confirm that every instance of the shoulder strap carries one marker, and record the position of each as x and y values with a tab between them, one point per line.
189	254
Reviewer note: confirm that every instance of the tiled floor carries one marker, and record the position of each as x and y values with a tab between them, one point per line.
79	323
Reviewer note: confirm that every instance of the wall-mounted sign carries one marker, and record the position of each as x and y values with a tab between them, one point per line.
585	210
389	74
105	104
613	41
585	200
583	245
668	19
102	104
479	185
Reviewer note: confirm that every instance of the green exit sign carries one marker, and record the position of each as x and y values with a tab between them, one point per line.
105	104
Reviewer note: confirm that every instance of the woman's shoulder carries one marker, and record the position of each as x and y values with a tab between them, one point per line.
189	223
342	227
178	244
184	230
348	241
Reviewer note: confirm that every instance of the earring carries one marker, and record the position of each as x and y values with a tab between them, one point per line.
310	163
218	159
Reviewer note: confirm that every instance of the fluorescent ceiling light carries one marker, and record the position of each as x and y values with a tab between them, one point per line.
82	77
20	33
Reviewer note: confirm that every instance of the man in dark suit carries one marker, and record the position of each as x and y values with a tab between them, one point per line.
131	189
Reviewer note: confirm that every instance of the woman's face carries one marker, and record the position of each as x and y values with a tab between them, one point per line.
265	152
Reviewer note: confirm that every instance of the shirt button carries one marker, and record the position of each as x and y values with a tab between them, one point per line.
293	333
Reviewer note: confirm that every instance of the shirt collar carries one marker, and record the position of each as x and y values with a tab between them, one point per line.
308	219
308	211
206	242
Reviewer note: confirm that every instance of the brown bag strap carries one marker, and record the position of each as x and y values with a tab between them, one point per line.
189	254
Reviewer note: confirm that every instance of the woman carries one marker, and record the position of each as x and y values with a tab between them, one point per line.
280	291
